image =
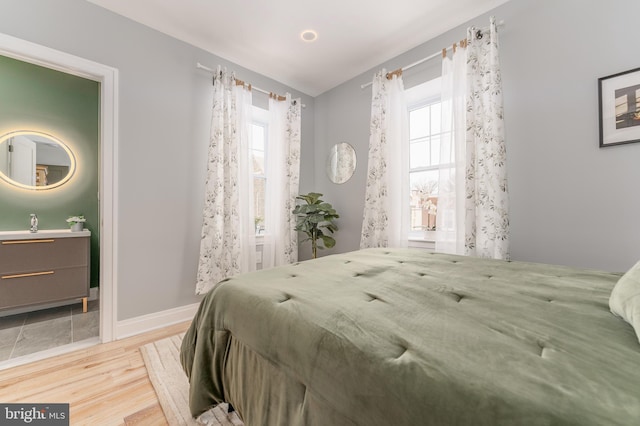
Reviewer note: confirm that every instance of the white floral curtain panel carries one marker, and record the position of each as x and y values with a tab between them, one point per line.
386	211
227	245
283	176
478	223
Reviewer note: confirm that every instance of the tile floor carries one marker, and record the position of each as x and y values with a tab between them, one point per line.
31	332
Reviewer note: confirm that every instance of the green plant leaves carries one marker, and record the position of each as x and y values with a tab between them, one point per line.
310	198
328	241
314	216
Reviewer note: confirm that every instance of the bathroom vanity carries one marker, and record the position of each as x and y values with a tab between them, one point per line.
43	267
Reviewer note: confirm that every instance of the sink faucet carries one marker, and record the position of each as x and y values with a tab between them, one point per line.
34	223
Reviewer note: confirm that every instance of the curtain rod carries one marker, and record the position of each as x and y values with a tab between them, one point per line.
251	87
418	62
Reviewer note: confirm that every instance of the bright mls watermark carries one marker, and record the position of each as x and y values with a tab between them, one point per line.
34	414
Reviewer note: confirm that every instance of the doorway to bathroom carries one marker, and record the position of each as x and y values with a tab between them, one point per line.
78	87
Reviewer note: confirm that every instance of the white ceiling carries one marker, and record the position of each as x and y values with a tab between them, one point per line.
264	36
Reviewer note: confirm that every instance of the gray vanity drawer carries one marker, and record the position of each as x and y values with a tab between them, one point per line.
43	254
43	286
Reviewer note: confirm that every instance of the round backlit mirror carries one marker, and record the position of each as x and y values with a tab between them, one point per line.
35	160
341	162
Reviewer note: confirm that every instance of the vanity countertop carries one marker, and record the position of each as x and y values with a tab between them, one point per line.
43	233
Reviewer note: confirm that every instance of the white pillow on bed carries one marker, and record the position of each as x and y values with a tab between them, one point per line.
625	298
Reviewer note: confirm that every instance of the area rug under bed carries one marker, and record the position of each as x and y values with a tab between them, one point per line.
162	360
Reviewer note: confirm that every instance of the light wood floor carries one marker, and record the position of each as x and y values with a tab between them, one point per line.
105	384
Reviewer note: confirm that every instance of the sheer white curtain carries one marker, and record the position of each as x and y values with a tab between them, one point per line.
450	217
227	244
283	176
386	212
475	222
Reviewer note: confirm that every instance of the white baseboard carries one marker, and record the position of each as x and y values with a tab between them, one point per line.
131	327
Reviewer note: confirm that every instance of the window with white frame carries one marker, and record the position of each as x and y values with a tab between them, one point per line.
259	146
425	134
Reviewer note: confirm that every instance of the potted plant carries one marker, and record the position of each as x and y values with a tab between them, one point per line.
76	223
314	218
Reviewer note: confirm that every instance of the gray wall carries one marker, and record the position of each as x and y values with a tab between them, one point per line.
164	119
571	202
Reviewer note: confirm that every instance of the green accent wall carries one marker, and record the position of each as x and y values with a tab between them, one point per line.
67	107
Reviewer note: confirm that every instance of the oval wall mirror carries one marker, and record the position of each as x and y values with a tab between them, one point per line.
35	160
341	162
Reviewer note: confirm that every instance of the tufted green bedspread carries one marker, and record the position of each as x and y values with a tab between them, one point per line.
407	337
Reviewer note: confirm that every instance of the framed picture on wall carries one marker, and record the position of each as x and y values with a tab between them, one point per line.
619	102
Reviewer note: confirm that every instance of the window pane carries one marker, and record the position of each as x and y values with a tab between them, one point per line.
435	150
424	182
424	199
257	133
257	159
419	123
419	154
435	118
425	139
259	202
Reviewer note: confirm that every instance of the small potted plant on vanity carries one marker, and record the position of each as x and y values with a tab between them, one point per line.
76	223
312	218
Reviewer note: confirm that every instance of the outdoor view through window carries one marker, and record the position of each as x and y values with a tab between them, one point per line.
425	134
258	155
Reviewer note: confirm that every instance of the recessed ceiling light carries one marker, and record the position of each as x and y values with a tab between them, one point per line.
309	35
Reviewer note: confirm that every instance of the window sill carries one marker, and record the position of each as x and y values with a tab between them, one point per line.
423	243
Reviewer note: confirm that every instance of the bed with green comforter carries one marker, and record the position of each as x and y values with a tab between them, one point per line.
408	337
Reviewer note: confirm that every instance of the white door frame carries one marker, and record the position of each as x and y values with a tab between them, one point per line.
108	199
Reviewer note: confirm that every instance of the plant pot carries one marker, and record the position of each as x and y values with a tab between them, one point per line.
77	227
